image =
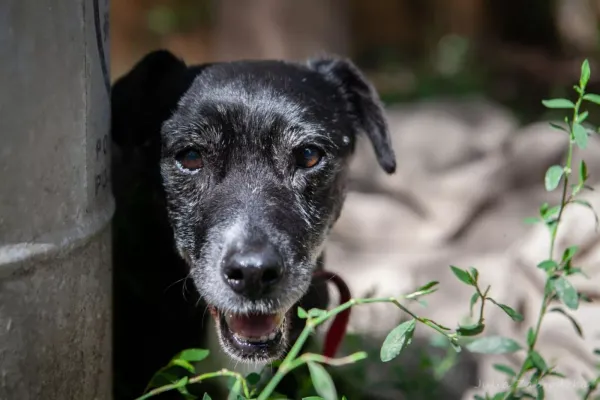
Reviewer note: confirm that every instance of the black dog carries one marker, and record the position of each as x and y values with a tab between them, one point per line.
240	171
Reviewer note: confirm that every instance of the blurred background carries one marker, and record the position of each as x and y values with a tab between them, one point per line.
512	51
463	82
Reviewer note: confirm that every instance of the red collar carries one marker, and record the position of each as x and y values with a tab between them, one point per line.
336	332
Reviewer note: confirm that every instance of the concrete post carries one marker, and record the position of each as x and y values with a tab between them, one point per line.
55	201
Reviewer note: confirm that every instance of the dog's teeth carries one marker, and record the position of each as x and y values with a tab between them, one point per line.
264	338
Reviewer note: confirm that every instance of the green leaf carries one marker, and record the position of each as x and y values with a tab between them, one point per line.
553	176
493	345
473	301
471	330
551	214
231	381
499	396
462	275
556	374
397	340
193	355
528	365
541	395
538	361
186	394
183	364
585	74
535	377
558	103
474	274
583	172
514	315
544	209
253	378
580	135
576	270
236	390
582	117
322	381
162	378
566	292
423	290
313	398
505	369
594	98
573	321
548	265
302	313
569	253
206	397
530	337
427	286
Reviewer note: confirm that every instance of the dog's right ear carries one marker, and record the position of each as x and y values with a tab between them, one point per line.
145	97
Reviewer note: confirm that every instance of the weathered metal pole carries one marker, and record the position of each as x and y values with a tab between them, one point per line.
55	200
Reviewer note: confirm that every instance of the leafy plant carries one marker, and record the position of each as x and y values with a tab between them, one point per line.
395	342
180	372
557	269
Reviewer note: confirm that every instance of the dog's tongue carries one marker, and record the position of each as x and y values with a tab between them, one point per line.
253	326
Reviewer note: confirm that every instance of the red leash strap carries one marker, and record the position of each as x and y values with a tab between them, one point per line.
336	332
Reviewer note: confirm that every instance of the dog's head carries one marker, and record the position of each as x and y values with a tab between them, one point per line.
253	157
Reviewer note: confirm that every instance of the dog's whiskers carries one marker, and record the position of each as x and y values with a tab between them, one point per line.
203	313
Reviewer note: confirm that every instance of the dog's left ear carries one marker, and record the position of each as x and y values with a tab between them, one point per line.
363	105
144	97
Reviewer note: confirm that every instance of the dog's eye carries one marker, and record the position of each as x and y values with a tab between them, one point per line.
308	157
189	159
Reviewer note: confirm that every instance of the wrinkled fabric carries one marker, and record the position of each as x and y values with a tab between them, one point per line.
467	177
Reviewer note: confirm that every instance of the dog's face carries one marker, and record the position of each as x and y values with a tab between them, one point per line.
253	160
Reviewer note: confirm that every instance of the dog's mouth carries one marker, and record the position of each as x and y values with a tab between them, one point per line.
252	337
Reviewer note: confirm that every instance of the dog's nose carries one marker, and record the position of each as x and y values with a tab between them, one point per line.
253	273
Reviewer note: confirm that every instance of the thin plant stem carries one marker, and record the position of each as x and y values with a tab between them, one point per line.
483	297
198	379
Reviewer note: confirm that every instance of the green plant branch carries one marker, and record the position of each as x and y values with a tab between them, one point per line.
198	379
568	169
592	386
553	235
289	362
483	297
